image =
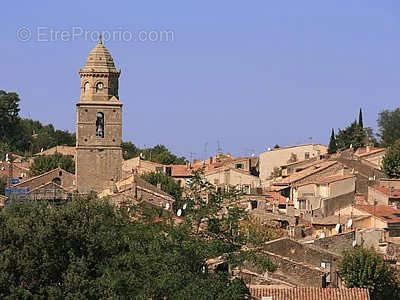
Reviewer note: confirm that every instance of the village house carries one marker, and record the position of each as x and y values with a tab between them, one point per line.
275	158
297	166
138	165
323	169
226	177
303	264
379	216
382	195
14	171
134	190
371	155
56	184
325	194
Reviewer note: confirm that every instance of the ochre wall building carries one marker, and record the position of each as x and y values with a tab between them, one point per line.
99	123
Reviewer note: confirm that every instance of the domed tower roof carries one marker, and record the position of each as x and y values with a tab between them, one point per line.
99	60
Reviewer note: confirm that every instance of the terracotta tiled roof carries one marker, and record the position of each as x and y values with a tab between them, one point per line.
371	152
334	178
394	193
181	171
328	179
306	172
276	197
310	293
384	212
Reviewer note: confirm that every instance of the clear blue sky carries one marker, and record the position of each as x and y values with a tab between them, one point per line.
249	74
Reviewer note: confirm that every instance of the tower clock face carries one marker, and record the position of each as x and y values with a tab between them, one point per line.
100	86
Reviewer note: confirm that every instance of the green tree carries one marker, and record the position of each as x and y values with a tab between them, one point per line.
45	163
360	119
391	161
332	143
9	116
389	126
159	154
364	268
353	135
90	250
168	184
129	150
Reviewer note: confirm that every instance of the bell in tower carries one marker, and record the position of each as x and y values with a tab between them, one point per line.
98	123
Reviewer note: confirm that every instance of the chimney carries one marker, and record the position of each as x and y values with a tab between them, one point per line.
368	148
159	186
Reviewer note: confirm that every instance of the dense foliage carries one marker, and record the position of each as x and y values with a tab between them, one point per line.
391	161
26	136
45	163
389	126
353	136
90	250
364	268
332	148
168	184
159	154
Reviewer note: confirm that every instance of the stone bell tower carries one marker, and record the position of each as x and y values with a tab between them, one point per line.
98	123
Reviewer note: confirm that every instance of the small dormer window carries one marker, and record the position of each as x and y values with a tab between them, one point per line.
99	86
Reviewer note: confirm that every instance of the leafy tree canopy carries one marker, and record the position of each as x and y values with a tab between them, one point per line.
389	126
355	136
364	268
159	154
332	143
45	163
391	161
90	250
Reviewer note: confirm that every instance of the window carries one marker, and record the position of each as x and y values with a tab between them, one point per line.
57	180
246	189
168	170
307	155
100	125
239	166
253	204
302	204
99	86
327	266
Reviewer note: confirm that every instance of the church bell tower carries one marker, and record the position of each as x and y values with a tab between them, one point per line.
98	123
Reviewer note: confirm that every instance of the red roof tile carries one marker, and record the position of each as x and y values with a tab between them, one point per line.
394	193
310	293
384	212
293	178
371	152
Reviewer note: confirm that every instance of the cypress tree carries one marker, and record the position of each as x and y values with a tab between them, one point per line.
332	143
360	119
